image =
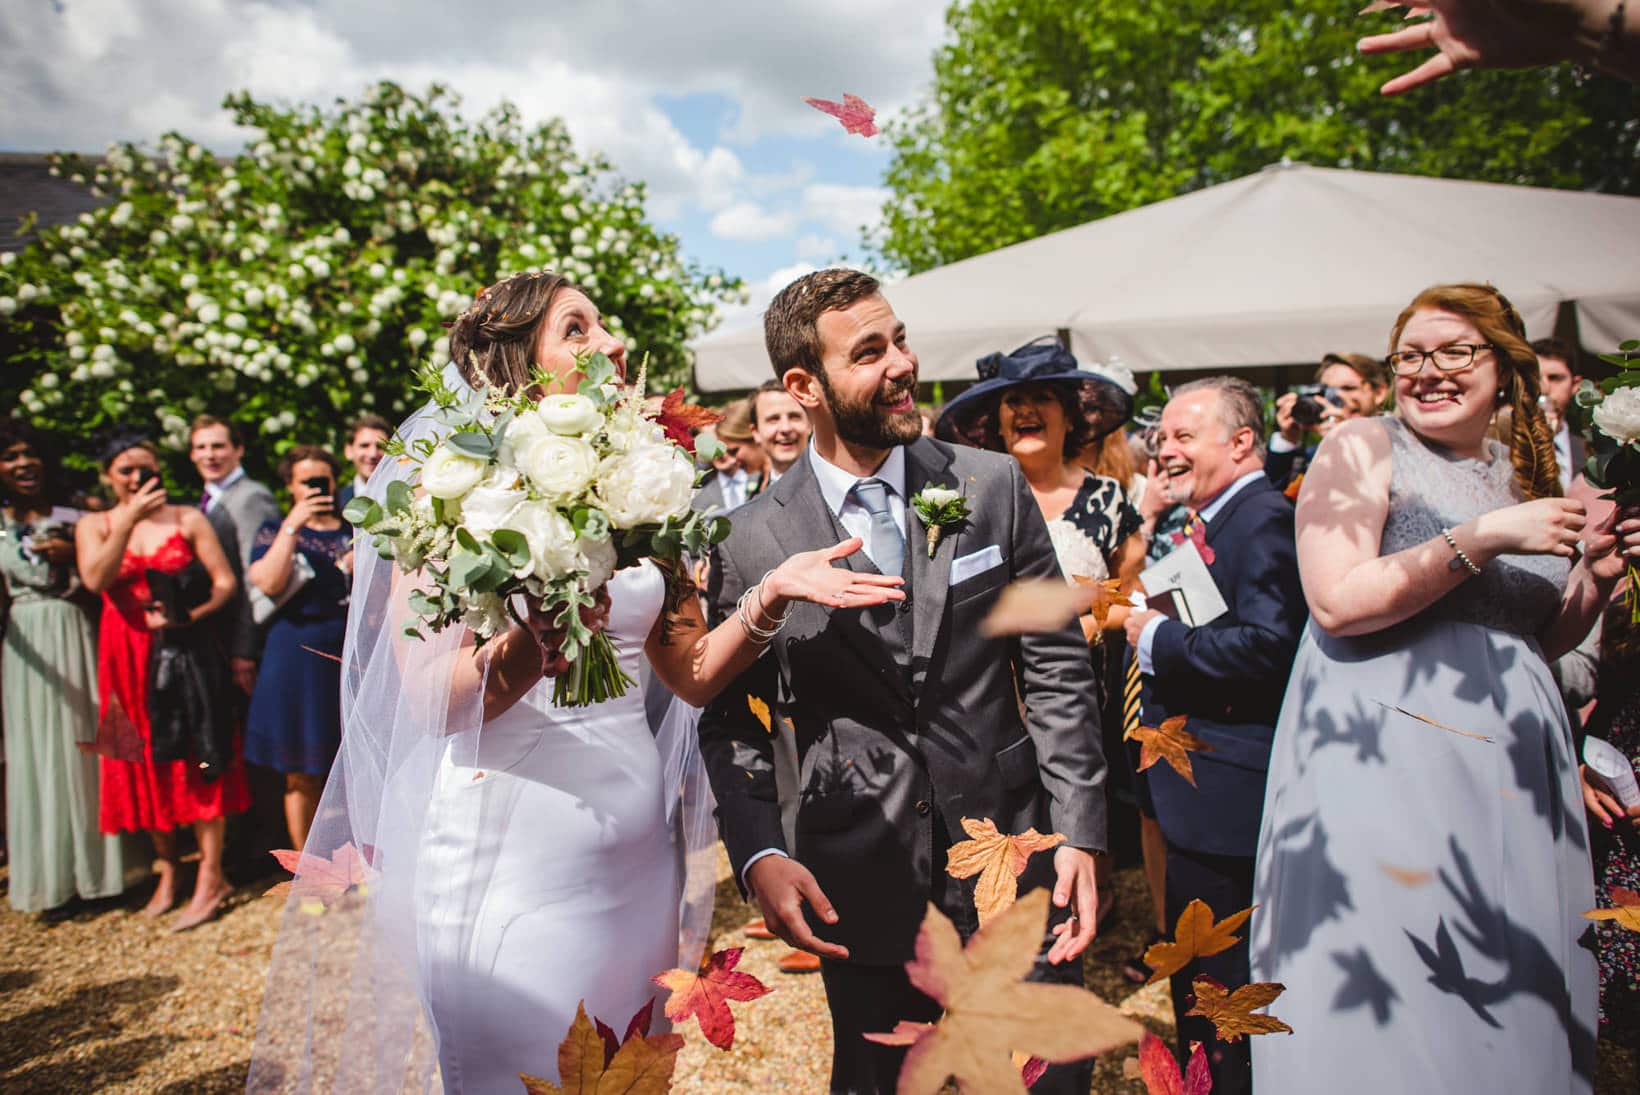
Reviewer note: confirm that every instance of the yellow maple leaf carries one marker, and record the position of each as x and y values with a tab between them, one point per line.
1107	595
1626	910
1194	936
641	1066
1231	1013
992	1012
1170	742
761	711
998	859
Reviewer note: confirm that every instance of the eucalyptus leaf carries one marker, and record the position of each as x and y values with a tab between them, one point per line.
468	541
512	545
362	511
399	497
473	443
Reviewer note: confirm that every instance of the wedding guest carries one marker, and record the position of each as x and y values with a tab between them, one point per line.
735	431
780	426
728	484
1423	863
367	438
144	786
1357	386
48	698
294	725
1559	377
1225	676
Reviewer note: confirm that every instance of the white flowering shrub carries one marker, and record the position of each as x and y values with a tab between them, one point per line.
304	280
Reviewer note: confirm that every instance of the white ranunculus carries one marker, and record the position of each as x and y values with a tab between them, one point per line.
521	435
598	559
486	614
1618	416
561	467
487	506
451	474
938	496
571	415
551	537
646	485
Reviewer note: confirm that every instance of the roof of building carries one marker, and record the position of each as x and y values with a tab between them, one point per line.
28	187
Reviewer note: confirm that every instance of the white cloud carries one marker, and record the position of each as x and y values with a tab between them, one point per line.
844	209
817	248
748	221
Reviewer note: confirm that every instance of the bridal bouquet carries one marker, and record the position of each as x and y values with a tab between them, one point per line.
1609	413
541	501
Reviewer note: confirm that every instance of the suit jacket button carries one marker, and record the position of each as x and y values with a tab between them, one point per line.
923	807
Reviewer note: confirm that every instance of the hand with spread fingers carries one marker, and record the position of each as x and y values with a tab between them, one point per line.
810	576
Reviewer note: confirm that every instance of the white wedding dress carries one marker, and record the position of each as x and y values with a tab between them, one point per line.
548	873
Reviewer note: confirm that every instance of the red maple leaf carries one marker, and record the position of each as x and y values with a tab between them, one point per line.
679	420
323	879
1160	1070
854	112
706	995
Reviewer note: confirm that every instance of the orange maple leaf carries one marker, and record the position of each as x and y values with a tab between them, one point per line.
641	1065
1172	743
1194	936
705	995
998	859
1625	909
679	419
991	1012
1231	1013
1294	487
1159	1069
1107	595
761	710
319	879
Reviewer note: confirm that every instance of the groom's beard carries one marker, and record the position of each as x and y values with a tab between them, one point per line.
866	423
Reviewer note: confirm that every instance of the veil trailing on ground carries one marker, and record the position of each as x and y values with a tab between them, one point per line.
343	1009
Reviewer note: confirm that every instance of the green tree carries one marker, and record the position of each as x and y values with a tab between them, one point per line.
301	281
1044	115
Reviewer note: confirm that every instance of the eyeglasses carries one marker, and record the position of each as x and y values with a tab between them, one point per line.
1451	358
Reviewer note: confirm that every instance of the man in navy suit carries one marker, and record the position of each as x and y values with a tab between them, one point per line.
1226	676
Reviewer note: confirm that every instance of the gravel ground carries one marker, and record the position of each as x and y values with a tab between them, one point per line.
104	1000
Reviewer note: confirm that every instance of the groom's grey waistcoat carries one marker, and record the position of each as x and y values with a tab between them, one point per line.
905	715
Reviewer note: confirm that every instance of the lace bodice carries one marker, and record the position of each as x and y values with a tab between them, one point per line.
1087	535
1430	489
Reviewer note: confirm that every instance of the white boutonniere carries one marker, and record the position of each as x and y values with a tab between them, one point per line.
939	508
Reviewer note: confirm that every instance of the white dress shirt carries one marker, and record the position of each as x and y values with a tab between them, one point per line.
1204	516
1563	454
734	489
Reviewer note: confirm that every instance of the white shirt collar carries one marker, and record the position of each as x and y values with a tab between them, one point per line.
1211	510
835	483
214	490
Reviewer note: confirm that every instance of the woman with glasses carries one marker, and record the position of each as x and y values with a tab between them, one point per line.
1423	861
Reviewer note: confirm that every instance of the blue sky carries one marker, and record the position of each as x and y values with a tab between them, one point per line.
701	101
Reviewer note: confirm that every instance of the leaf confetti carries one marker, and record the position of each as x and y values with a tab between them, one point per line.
1107	595
705	995
1625	909
854	112
1170	742
588	1065
319	879
1231	1013
998	859
761	711
680	419
1159	1069
1194	936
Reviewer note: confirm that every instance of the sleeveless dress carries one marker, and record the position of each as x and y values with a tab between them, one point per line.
295	720
547	875
48	704
1420	883
138	794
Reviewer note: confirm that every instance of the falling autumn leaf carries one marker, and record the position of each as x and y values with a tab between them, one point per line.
1431	722
1170	742
1159	1069
1107	595
991	1012
680	420
641	1065
1194	936
761	710
1407	876
1034	605
854	112
1625	909
319	879
1232	1013
705	995
998	859
1294	487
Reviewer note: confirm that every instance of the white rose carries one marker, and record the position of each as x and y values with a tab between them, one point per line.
1618	416
571	415
551	538
646	485
522	434
487	506
938	496
558	466
451	474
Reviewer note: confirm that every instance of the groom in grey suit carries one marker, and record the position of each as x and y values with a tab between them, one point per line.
906	719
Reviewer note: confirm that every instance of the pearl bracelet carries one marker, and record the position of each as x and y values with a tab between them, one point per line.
1462	560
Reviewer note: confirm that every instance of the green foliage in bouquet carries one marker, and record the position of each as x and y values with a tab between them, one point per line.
1607	414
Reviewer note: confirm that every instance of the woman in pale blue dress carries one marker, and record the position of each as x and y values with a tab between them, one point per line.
1424	861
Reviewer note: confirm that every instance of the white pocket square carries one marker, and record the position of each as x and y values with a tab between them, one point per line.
975	563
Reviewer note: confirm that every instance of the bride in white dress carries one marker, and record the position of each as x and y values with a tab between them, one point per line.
516	858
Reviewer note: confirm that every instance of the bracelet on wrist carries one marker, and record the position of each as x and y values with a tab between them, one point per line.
288	531
1461	560
759	635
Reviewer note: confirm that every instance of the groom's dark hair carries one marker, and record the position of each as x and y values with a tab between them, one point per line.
791	326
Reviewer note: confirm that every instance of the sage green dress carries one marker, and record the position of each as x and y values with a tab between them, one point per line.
48	703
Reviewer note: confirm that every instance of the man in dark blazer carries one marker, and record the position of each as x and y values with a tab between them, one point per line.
905	719
1226	676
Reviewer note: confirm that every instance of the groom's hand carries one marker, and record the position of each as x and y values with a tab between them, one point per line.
781	886
1074	886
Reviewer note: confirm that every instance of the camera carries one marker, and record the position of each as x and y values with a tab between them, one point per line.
1306	412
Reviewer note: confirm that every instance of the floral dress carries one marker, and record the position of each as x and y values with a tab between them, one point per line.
1616	718
1088	534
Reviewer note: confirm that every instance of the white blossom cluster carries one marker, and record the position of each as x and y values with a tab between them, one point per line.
302	281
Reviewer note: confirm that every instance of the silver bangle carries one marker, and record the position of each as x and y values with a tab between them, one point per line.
762	636
1462	560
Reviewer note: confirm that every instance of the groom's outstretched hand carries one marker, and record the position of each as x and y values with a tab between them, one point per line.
782	886
1074	886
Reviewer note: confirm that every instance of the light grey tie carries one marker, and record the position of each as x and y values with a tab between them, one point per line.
886	544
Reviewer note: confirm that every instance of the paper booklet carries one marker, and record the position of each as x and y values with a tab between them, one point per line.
1181	588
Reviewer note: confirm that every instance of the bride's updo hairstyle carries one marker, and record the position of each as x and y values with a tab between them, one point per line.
493	341
1531	444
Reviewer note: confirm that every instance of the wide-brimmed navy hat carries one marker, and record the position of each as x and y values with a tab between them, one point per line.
1106	403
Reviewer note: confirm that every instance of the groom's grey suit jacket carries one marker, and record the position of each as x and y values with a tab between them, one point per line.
904	716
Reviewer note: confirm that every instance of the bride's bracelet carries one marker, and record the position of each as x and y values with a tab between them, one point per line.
762	636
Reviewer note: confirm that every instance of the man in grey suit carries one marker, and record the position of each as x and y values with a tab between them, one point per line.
905	719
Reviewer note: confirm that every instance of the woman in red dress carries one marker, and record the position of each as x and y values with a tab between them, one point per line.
117	549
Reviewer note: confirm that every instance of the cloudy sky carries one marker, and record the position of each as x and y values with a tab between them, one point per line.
702	100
